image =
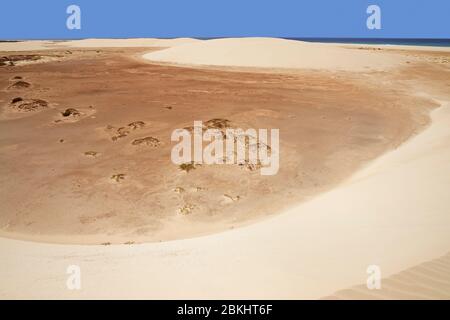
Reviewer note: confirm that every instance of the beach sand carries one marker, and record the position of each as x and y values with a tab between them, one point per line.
362	180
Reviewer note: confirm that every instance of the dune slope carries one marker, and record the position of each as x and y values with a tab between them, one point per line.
308	252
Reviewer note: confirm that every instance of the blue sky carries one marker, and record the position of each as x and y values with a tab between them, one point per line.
46	19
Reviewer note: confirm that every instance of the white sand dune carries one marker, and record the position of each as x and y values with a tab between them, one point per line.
275	53
143	42
28	45
31	45
394	214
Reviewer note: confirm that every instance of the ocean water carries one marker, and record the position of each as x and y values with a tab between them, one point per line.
408	42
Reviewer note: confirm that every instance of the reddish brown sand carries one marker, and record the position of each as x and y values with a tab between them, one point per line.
77	180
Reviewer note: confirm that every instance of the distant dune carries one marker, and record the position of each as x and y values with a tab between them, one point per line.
275	53
92	43
145	42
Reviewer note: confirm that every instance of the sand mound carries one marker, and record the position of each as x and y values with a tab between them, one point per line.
274	53
28	105
19	85
13	59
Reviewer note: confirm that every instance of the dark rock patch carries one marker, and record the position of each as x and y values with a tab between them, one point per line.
149	141
71	112
30	105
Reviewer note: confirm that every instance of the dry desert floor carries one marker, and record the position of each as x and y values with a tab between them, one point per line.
87	179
